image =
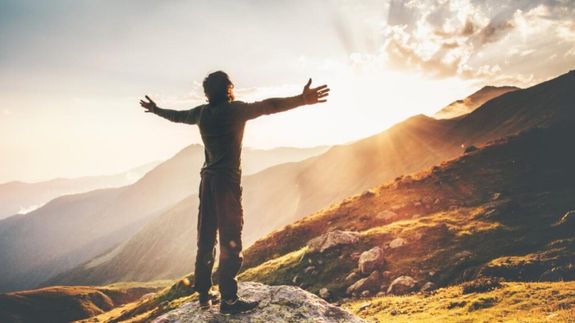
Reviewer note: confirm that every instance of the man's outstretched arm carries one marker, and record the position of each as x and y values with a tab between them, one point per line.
275	105
185	116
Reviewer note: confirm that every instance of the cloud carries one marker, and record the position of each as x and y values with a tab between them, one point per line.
490	41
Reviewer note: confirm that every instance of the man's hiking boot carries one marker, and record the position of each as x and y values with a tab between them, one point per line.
207	299
237	306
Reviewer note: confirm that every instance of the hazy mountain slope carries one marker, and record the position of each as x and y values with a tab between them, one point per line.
282	194
20	197
73	229
255	160
66	304
506	211
472	102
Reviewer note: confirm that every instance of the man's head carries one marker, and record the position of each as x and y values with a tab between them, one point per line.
218	88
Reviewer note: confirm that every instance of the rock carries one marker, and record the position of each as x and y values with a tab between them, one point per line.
387	215
495	196
397	242
402	285
351	277
393	312
465	254
295	279
277	304
309	269
380	294
371	260
332	239
568	218
324	293
365	293
364	306
372	283
427	287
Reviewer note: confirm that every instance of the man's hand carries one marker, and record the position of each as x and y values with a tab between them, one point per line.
149	106
315	95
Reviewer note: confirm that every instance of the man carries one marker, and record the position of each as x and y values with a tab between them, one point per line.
221	124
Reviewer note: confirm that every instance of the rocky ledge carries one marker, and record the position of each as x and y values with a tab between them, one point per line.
277	304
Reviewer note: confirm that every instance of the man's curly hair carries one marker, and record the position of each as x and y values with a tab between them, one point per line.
218	88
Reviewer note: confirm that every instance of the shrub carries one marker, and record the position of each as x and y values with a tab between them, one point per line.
481	285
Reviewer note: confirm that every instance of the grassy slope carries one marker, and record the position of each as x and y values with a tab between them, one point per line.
514	302
68	303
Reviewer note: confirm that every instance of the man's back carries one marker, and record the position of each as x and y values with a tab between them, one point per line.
222	129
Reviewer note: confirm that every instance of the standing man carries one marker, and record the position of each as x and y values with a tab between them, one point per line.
222	122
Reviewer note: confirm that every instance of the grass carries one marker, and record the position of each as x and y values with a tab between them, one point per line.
512	302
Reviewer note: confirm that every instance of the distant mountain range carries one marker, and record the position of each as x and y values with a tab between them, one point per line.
472	102
285	193
20	198
72	229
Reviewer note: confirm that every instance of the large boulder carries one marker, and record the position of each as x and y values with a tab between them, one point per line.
371	260
370	283
332	239
402	285
277	304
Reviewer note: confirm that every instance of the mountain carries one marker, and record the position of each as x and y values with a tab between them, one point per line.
19	197
503	211
73	229
472	102
285	193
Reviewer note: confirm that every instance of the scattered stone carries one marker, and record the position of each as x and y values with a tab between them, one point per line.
495	196
364	306
417	204
396	207
365	293
387	215
397	242
324	293
568	218
332	239
393	312
295	279
380	294
437	201
427	287
309	269
386	274
276	304
353	276
371	260
355	255
372	283
402	285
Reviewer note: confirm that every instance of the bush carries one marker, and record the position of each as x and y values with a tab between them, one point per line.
481	285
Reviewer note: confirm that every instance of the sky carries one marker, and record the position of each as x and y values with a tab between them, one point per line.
72	71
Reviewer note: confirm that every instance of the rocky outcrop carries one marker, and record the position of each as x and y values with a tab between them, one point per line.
332	239
402	285
371	260
277	304
371	283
